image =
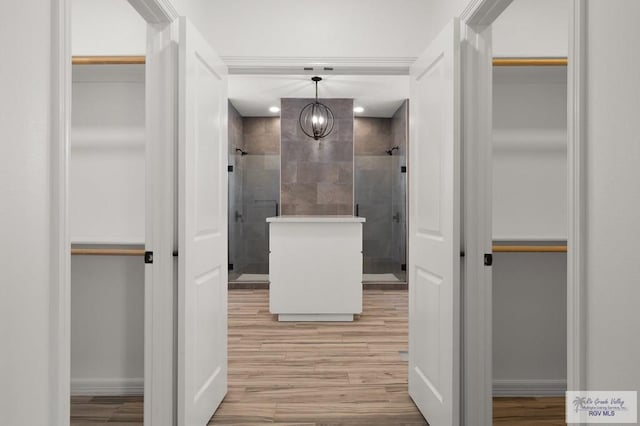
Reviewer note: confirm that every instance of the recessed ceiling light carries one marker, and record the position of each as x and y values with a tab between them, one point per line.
358	109
274	109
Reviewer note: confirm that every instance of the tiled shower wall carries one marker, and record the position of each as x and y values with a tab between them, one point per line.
317	176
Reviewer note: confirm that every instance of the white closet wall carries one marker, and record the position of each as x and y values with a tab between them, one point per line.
530	153
106	208
532	28
530	201
106	27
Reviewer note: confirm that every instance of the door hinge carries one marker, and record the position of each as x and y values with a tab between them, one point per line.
403	169
488	259
229	168
148	257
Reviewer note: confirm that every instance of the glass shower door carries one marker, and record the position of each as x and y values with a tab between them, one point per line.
379	199
258	198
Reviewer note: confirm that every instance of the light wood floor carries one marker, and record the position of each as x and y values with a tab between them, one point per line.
317	373
529	411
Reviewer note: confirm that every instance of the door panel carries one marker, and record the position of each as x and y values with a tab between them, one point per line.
434	230
202	230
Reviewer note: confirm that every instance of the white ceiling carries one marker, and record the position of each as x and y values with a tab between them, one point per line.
252	95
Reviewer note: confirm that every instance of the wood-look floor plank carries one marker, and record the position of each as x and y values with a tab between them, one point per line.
522	411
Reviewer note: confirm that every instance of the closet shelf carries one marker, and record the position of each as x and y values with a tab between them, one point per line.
107	252
529	249
529	62
108	60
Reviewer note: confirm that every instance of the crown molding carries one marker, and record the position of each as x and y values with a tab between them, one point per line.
364	65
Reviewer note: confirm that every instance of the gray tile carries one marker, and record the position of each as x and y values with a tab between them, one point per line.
341	107
316	209
345	209
335	151
335	193
289	171
309	172
298	193
309	164
290	107
287	209
345	172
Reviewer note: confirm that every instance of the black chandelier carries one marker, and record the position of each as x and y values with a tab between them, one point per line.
316	119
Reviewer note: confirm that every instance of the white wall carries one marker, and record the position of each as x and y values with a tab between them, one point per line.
107	27
107	156
532	28
529	323
612	144
107	325
107	206
25	122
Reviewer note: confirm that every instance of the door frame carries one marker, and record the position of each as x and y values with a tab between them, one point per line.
476	358
476	216
158	14
476	19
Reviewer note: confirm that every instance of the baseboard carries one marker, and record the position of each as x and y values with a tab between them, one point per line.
248	285
107	386
395	285
545	387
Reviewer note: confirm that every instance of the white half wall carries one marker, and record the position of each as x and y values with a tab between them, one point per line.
25	212
612	145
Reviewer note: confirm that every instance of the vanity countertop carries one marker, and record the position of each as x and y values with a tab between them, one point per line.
316	219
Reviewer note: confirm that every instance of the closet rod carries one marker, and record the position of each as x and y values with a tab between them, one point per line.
107	60
107	252
529	249
529	62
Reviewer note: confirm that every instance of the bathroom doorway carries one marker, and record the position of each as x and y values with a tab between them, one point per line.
378	177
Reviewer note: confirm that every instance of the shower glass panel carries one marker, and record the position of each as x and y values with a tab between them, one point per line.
380	189
254	191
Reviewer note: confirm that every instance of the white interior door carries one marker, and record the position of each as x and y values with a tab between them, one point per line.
434	230
202	229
